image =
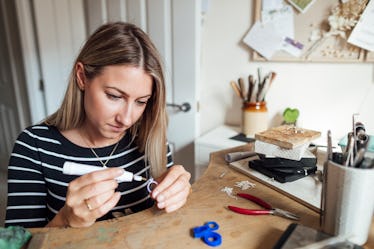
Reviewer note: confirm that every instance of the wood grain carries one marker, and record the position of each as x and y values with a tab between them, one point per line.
287	136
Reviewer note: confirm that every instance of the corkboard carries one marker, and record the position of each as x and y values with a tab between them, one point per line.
332	49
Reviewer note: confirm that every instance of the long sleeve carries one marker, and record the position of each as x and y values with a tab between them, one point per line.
26	185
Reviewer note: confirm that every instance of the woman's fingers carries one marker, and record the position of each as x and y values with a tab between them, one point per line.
88	210
91	196
110	200
97	176
175	195
95	189
169	179
98	200
175	206
178	187
91	184
173	202
173	190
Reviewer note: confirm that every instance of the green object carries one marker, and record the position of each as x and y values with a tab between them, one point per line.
290	115
13	237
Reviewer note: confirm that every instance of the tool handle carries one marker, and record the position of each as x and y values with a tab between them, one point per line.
248	211
255	200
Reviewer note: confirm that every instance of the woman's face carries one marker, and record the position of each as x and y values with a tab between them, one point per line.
115	100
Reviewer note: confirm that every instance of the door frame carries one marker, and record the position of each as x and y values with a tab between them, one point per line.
31	61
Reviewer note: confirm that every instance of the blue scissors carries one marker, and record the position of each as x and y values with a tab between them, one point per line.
206	233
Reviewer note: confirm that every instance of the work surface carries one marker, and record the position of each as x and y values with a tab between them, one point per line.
155	229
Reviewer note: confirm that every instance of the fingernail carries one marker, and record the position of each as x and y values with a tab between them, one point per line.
160	198
161	205
154	194
120	171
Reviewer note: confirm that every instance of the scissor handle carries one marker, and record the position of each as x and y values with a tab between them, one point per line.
212	225
206	233
255	200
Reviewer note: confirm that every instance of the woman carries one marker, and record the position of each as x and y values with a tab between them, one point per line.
113	115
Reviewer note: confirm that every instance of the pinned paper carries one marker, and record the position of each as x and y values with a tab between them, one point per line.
272	4
263	39
362	34
282	19
292	47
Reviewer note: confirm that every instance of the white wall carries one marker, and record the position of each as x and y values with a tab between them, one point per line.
326	94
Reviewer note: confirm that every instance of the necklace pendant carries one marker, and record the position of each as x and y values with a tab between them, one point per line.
97	156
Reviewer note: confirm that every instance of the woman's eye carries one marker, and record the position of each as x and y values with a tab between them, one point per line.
141	102
112	96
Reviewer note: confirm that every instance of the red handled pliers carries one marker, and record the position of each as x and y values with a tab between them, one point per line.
269	209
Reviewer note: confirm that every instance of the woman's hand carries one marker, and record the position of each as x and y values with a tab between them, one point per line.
88	198
173	189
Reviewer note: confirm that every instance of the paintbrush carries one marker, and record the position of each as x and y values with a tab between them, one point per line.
251	85
265	88
236	88
242	88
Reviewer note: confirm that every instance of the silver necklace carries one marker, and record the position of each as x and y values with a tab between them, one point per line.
93	151
111	154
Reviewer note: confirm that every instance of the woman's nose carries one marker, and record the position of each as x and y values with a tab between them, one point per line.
124	115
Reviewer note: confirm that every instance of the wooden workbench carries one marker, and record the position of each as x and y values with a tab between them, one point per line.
155	229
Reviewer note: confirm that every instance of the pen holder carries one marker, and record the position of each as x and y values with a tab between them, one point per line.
348	202
254	118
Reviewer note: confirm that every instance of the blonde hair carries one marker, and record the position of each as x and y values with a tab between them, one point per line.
124	44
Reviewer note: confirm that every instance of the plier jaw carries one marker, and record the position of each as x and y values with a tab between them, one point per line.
268	208
285	214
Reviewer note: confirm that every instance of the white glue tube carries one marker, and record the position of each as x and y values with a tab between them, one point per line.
71	168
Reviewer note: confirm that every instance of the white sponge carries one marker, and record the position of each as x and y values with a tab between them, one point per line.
273	150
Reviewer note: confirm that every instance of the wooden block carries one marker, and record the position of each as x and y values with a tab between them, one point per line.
287	136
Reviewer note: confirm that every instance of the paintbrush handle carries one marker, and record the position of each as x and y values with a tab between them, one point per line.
250	87
242	88
236	89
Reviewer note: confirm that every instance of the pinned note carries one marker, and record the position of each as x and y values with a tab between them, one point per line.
262	38
362	34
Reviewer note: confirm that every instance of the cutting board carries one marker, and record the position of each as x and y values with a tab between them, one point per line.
287	136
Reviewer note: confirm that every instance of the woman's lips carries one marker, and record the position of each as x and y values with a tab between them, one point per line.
116	128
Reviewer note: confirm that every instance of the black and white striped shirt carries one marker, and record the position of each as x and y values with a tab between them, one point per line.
37	187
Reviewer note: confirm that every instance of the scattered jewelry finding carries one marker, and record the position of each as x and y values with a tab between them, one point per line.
229	192
245	185
223	174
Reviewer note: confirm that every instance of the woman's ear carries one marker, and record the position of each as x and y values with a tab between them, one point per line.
81	78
